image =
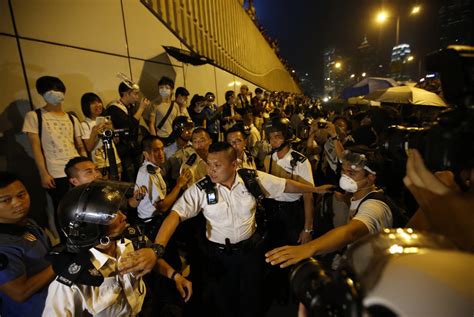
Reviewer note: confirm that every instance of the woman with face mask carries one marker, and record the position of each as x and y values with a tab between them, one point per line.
164	110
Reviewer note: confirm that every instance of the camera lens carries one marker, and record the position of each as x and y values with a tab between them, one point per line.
108	133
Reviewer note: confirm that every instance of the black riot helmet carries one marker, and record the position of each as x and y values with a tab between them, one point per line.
279	124
180	123
86	210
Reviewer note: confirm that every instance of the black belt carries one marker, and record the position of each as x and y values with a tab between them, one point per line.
243	245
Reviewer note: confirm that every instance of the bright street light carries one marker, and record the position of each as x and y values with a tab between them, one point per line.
364	74
352	75
382	16
338	65
415	10
410	58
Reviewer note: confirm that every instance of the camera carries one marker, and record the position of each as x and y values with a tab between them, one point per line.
110	133
447	143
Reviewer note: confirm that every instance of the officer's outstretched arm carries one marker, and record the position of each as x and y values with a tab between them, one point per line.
292	186
167	228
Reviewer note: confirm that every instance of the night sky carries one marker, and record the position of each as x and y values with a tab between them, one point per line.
304	28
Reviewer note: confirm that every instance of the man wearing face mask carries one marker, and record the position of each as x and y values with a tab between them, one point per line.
55	137
164	111
367	214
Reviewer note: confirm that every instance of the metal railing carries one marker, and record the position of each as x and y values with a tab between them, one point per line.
222	31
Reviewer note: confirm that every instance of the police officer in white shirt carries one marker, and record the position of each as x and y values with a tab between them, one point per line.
158	200
88	281
235	137
234	276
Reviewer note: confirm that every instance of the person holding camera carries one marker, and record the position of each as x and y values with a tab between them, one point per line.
92	132
126	115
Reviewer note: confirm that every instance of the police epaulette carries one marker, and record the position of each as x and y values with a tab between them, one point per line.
74	268
204	183
247	173
297	156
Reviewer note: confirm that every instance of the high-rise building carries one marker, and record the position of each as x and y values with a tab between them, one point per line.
366	61
335	70
398	60
456	22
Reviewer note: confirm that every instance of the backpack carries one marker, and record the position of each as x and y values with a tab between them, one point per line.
399	215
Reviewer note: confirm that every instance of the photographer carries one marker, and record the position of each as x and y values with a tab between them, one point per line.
125	115
92	128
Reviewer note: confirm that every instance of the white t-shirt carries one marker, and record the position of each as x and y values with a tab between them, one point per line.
98	154
57	138
375	214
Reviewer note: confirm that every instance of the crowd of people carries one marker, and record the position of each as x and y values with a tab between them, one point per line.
221	200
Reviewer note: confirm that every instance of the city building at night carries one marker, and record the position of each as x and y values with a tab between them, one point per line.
456	22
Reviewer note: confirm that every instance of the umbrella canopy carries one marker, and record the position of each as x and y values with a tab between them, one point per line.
368	85
407	95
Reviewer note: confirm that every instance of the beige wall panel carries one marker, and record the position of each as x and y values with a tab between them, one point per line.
6	24
146	34
81	71
224	82
147	75
90	24
199	79
12	82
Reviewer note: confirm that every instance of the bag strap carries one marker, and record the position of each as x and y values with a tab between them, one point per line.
372	195
162	122
249	176
40	122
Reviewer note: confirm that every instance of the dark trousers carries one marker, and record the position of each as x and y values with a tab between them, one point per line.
57	193
234	281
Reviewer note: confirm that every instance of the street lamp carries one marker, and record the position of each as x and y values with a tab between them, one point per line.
383	16
364	74
338	65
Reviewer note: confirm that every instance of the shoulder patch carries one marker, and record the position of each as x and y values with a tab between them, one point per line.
204	183
298	157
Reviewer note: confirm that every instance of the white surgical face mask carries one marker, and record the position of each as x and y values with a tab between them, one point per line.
53	97
348	184
164	92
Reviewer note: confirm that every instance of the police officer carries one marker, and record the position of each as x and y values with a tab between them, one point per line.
237	138
234	262
288	163
24	273
97	244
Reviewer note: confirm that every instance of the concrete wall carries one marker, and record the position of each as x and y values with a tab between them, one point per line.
85	43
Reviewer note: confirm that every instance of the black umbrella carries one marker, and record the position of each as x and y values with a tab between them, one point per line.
187	56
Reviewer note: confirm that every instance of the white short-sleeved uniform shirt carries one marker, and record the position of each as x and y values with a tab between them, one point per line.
301	172
98	155
118	295
375	214
57	138
156	189
233	216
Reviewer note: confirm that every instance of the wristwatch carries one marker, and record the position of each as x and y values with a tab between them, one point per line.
158	249
308	230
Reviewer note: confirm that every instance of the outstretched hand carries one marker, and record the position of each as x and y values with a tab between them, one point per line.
288	255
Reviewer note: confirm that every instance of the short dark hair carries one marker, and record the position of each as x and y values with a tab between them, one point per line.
86	100
236	128
349	125
166	81
228	94
123	88
201	129
147	141
70	167
47	83
7	178
181	91
258	90
209	93
223	147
